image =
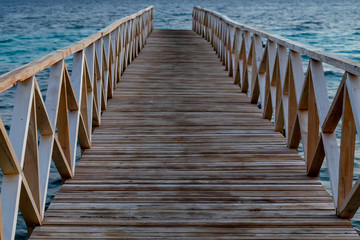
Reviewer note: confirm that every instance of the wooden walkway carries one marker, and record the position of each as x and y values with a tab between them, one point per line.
182	154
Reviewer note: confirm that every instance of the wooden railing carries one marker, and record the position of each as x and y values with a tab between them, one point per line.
269	69
67	117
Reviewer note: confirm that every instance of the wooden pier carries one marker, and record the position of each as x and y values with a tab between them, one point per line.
179	151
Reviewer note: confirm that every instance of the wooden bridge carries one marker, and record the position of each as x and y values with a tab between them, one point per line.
179	151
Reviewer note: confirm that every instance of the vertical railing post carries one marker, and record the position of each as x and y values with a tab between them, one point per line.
298	104
11	184
43	131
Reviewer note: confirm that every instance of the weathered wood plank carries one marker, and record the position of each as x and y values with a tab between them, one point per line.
182	154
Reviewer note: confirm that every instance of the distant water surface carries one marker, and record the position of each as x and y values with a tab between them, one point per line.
30	29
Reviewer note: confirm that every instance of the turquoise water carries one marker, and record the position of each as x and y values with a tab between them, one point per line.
31	29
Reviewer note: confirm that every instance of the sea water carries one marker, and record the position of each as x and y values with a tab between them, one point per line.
30	29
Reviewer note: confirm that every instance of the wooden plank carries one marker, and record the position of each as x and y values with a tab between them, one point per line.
28	206
313	123
296	80
351	202
31	159
268	106
316	161
11	185
74	116
47	141
61	163
71	97
10	197
182	154
8	161
332	159
45	154
335	112
320	89
347	149
256	60
278	80
19	131
63	134
42	118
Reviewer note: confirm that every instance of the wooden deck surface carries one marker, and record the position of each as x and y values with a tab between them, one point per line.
182	154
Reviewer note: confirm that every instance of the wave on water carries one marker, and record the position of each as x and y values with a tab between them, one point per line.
6	40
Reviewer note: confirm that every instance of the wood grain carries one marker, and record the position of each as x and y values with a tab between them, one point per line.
182	154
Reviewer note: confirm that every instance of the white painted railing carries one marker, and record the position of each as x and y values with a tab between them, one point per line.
72	109
273	74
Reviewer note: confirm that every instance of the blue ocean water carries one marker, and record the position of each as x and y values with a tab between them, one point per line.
30	29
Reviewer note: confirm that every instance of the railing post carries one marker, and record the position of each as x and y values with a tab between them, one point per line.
73	106
12	184
298	104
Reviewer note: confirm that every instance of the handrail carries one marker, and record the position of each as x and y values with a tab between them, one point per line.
273	74
67	117
22	73
329	58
